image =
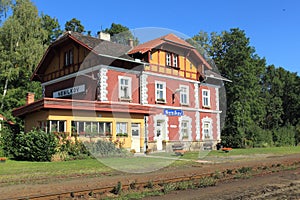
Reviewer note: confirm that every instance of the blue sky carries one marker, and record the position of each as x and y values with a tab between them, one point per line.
273	26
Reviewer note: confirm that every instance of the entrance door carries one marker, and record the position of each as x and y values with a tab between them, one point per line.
160	134
135	137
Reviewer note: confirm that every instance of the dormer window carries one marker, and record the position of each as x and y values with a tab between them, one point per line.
175	60
172	60
168	59
69	57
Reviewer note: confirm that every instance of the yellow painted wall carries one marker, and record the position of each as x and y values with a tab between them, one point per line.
154	59
147	67
162	58
190	68
32	120
184	64
181	63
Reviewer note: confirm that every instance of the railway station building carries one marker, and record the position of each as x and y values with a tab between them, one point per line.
148	96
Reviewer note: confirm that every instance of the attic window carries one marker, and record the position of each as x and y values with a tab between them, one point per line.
168	59
175	60
172	60
69	57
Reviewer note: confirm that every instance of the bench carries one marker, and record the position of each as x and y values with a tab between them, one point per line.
178	149
207	146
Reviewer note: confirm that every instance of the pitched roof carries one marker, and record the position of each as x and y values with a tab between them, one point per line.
95	45
171	39
142	48
100	46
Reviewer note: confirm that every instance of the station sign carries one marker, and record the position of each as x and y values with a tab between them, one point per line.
69	91
173	112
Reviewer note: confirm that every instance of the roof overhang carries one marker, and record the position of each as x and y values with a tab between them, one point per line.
214	75
70	104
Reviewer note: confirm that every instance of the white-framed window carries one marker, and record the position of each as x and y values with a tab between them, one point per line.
184	129
168	59
105	128
57	126
172	60
122	129
207	133
124	88
87	128
184	94
160	91
207	130
206	98
175	60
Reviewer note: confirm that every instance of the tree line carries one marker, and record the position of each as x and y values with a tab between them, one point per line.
262	100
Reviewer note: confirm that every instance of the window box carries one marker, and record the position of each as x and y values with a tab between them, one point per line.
122	135
184	104
160	101
126	99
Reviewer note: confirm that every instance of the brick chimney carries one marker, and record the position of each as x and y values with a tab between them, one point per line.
29	98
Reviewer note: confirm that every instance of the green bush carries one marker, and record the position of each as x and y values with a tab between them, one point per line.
103	148
72	150
261	137
284	136
297	134
35	145
7	144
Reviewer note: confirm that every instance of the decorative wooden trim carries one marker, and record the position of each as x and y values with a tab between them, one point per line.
158	56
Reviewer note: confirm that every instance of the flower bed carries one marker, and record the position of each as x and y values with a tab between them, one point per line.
2	159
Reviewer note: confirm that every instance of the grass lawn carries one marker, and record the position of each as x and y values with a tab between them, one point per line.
14	172
244	152
21	171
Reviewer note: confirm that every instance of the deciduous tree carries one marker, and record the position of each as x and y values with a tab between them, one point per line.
74	25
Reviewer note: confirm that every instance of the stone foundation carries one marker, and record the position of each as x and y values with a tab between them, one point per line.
188	145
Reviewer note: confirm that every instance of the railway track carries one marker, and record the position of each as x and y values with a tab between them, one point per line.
89	192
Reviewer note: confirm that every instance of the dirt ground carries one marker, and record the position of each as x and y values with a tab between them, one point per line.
283	183
280	185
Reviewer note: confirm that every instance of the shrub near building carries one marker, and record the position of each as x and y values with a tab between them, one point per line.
35	145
